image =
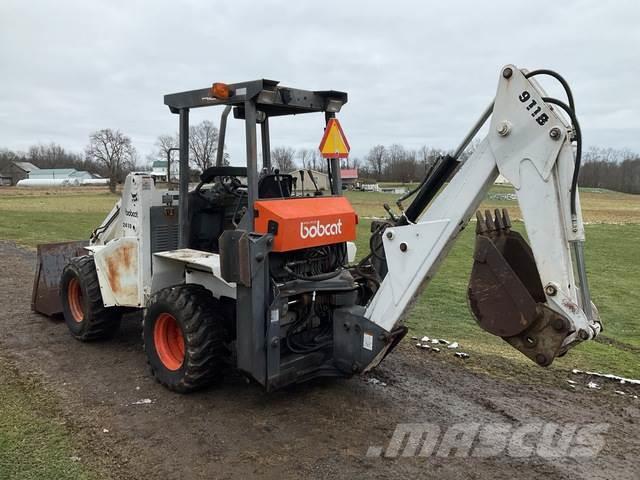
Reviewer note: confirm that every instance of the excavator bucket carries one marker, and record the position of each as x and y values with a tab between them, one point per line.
506	295
52	258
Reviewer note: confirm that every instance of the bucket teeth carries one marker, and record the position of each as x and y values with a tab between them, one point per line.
498	222
505	219
481	226
489	221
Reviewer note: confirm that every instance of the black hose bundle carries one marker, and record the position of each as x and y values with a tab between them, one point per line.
571	111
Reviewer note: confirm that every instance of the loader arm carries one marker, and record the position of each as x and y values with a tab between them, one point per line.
110	227
528	296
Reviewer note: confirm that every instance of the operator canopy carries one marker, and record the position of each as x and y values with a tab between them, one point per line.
270	98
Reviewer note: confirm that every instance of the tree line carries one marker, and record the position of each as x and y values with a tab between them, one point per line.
394	163
610	168
110	153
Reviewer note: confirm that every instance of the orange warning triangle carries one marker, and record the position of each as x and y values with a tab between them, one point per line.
334	144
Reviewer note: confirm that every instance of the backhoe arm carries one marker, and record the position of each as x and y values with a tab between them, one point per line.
529	296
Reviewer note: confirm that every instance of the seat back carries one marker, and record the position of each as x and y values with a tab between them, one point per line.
275	185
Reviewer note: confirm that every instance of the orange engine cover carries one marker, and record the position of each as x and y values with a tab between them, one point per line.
306	222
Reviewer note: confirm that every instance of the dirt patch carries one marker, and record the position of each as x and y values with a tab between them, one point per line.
322	429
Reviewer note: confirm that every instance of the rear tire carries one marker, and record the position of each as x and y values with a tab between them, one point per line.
183	336
84	312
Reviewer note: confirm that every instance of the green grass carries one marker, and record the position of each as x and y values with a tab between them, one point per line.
57	202
31	228
598	206
34	444
33	218
614	270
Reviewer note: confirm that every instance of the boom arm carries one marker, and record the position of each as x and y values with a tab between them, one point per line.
530	145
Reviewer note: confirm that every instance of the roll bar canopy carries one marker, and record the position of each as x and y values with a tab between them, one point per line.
254	102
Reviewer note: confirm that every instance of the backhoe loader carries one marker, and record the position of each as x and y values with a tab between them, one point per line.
243	271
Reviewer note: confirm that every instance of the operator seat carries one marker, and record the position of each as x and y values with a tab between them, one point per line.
275	185
211	213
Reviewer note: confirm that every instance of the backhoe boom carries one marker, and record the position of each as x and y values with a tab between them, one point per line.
528	296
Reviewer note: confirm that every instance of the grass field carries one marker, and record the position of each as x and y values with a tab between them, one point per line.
29	217
613	229
35	443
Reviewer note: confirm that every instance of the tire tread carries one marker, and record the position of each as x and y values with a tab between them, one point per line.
203	333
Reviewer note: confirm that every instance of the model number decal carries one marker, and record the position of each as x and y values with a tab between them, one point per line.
534	108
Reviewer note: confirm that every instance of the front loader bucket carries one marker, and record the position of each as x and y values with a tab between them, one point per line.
506	295
52	258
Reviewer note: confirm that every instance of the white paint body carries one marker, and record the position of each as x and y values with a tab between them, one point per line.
127	272
539	167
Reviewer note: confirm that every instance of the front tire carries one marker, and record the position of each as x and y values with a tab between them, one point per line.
183	336
84	312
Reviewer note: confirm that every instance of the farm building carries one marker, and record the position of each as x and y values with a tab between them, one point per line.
17	171
58	174
51	177
159	170
349	177
302	180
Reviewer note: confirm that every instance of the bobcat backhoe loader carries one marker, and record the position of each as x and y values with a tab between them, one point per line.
241	271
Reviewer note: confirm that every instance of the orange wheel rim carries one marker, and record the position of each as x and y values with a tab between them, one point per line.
168	340
74	296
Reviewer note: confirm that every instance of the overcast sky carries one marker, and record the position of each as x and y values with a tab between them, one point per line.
416	72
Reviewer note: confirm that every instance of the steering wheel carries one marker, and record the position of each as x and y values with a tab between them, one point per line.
227	183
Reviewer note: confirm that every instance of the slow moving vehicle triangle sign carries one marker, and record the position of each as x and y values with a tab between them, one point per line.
334	144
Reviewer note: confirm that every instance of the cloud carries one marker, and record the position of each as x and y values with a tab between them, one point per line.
416	73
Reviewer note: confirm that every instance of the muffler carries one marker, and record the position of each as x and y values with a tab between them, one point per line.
506	295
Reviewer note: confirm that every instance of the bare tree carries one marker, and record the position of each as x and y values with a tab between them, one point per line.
615	169
163	144
282	158
113	151
54	156
376	159
401	164
305	155
8	156
427	156
203	144
317	162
